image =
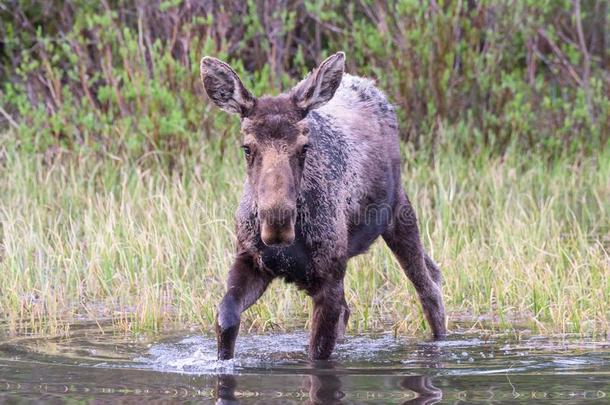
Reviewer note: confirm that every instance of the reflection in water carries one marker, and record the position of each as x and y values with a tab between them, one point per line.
92	367
225	390
323	383
422	385
325	387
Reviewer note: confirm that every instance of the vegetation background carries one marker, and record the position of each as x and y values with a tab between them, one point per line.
118	179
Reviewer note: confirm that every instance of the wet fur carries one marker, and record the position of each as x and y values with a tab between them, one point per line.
350	194
353	163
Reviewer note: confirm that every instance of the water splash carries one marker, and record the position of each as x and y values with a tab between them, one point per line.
458	356
382	368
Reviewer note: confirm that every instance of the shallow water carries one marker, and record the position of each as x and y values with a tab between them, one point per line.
92	364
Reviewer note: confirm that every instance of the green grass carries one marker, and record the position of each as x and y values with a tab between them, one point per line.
520	241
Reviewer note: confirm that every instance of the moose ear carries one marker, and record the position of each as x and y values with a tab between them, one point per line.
225	88
320	85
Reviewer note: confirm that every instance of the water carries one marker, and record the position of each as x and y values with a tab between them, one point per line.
92	364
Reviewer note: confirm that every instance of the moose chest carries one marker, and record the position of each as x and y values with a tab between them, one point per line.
293	263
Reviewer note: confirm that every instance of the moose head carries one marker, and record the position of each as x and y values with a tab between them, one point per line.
275	137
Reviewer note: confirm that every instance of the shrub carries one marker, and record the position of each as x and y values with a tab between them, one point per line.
120	77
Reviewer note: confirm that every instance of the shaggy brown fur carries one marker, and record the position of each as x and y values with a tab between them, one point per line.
323	183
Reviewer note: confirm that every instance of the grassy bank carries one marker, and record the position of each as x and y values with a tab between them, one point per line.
520	241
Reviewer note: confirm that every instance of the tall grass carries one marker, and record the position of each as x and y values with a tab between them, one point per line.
521	241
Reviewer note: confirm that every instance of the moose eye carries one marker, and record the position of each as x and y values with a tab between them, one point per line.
305	148
247	150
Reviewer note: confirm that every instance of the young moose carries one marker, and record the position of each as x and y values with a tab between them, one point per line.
323	183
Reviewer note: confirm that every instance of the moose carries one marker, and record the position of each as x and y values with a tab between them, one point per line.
323	183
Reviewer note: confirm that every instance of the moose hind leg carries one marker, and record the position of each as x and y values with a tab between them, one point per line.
402	237
244	286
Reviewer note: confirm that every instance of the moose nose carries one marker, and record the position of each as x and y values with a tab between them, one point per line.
277	226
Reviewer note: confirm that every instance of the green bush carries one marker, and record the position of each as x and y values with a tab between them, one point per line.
120	77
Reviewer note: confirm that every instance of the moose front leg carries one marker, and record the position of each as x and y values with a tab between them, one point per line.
329	317
245	285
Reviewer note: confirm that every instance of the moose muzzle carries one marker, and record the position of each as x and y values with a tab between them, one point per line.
277	226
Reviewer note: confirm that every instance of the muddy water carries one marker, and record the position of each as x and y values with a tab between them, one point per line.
92	365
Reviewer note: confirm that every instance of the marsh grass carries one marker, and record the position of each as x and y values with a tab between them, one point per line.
520	240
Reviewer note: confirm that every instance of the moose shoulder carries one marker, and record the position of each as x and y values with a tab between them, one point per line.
323	182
